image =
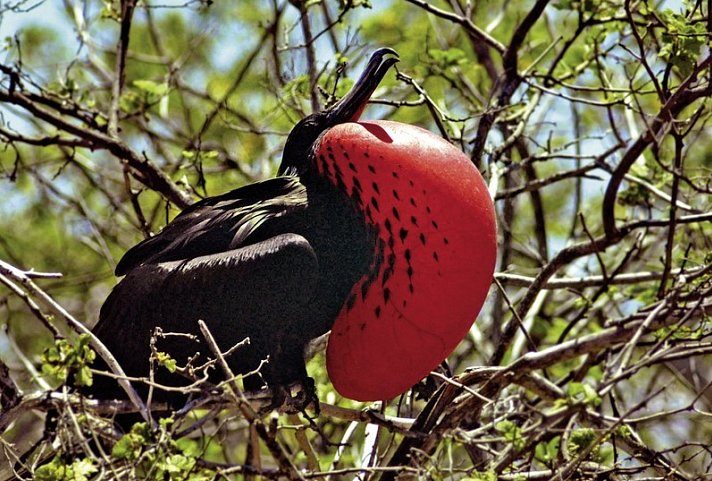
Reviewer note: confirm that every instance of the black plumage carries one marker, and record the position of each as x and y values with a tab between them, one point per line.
273	261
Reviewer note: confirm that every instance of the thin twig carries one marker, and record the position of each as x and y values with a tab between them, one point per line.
278	452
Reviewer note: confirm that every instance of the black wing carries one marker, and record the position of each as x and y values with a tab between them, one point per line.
220	223
260	291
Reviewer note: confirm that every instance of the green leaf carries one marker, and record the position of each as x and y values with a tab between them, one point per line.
130	445
634	195
125	448
129	102
578	392
547	452
448	58
65	359
82	469
52	471
83	377
511	433
682	41
151	87
166	361
178	463
595	373
580	440
58	470
166	423
624	431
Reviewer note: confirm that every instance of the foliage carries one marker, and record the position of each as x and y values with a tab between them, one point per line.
59	470
63	359
590	119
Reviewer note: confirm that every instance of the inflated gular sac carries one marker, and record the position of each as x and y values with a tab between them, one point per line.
434	260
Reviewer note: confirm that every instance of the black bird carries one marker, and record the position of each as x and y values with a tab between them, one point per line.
379	231
272	261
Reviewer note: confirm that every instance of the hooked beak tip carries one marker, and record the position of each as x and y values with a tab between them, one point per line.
349	108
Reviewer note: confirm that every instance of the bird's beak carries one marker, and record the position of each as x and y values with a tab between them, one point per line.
349	108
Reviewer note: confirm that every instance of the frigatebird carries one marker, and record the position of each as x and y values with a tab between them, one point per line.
381	231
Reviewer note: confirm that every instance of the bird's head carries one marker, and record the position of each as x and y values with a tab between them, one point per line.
301	140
